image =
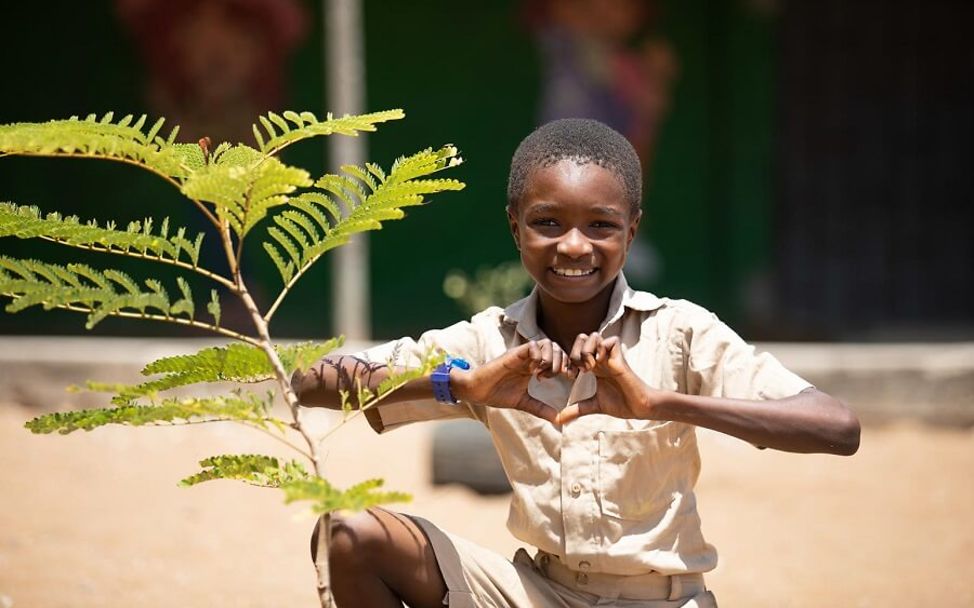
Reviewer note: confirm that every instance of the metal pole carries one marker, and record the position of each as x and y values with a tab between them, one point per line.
345	62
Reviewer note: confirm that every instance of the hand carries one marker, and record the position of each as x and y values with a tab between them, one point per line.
620	393
503	382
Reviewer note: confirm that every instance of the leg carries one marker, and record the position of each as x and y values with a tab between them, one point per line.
379	558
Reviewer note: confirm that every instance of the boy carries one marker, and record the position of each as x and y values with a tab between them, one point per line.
591	392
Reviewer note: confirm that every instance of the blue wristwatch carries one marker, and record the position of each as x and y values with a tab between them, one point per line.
441	379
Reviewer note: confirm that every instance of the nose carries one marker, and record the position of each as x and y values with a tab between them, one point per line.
574	245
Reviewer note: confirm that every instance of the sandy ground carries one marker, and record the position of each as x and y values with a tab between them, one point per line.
96	519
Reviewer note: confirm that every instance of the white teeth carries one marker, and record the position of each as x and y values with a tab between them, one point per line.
573	272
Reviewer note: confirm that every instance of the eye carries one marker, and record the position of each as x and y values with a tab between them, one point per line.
544	221
605	225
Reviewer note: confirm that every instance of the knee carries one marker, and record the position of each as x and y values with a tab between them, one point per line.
353	538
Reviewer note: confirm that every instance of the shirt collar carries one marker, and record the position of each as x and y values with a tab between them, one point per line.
524	312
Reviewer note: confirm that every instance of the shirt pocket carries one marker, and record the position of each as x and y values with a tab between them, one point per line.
641	471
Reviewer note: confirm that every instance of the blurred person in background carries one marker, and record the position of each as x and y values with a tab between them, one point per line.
213	66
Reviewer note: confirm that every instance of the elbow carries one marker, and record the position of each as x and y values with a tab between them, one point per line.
297	385
305	387
846	433
310	389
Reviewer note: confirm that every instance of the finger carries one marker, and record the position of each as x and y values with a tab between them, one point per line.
534	355
576	410
601	356
590	348
518	358
576	353
613	352
547	357
565	367
557	358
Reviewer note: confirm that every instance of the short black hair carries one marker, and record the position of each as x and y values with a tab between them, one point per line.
581	140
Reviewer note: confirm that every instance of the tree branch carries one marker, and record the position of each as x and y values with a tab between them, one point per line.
133	254
128	161
176	320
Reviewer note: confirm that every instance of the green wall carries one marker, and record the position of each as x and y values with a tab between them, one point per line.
464	75
709	203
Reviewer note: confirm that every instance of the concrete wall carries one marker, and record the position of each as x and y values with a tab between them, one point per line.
930	382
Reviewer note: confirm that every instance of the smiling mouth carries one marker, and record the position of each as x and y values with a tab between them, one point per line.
574	272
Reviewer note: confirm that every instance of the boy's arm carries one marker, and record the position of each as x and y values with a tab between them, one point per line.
501	382
811	421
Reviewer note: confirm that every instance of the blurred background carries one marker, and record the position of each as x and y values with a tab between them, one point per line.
808	178
807	163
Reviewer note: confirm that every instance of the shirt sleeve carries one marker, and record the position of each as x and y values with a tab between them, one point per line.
459	340
721	364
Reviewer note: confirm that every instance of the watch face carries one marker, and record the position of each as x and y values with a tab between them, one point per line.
457	362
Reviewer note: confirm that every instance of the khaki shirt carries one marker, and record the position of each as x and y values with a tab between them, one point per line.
603	493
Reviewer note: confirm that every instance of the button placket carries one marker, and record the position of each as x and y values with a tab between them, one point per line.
577	469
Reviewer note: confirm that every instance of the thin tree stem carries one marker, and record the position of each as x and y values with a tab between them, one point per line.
264	342
361	410
287	288
321	561
283	440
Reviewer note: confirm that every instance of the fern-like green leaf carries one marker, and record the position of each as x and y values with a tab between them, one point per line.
100	293
232	363
254	469
271	141
213	307
354	201
137	240
284	267
247	408
243	185
185	305
96	138
326	498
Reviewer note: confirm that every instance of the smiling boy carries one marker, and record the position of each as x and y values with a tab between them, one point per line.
591	392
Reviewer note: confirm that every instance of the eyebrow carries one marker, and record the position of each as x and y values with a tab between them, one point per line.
598	209
607	211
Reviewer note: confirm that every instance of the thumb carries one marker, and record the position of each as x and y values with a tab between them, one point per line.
614	360
576	410
520	358
540	409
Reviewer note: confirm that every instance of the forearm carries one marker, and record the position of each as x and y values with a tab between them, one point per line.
323	384
810	421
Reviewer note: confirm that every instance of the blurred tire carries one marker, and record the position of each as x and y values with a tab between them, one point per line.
463	453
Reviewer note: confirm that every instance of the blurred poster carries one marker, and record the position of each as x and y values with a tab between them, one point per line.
603	59
213	65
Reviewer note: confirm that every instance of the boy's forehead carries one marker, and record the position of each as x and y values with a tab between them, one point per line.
572	173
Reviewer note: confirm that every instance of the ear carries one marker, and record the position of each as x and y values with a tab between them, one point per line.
633	228
512	222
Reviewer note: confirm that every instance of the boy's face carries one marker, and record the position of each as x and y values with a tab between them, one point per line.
573	227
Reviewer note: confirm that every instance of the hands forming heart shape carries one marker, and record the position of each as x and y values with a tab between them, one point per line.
503	382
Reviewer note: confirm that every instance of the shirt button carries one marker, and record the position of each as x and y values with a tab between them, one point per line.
576	489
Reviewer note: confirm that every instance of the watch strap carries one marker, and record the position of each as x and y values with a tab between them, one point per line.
440	379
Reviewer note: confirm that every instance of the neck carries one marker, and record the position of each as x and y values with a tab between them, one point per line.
563	321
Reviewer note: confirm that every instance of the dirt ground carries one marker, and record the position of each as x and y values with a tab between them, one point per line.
96	519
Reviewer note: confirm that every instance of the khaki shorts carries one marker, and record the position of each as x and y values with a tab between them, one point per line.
478	578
